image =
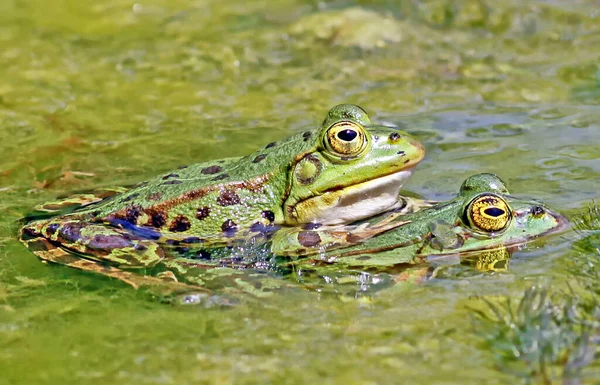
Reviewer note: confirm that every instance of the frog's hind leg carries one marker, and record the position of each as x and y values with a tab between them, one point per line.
100	252
49	252
74	202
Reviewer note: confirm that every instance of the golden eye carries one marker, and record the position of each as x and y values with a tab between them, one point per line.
488	212
346	139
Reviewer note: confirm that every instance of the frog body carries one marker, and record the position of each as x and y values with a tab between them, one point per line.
346	169
482	216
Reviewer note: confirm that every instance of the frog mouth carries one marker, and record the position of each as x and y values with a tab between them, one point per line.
352	203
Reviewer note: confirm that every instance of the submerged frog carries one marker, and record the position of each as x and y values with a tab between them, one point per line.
343	171
482	216
481	227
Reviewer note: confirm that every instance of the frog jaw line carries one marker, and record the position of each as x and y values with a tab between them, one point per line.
353	202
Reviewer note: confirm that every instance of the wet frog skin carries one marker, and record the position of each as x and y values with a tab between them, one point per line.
483	216
483	219
345	170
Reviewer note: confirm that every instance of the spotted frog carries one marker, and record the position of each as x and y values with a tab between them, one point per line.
483	221
345	170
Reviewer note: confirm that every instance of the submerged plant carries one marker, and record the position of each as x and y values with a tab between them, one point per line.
543	337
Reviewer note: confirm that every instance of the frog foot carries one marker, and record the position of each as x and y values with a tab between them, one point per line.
73	202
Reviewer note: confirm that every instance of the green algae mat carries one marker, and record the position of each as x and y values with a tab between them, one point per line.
111	93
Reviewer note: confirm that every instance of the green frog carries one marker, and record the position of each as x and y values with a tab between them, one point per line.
481	227
482	216
345	170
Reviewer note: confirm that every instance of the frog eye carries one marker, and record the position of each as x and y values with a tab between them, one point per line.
488	212
346	139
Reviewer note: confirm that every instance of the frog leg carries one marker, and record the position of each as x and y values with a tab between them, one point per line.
94	247
76	201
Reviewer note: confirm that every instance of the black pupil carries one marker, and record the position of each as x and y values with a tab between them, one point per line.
347	135
494	211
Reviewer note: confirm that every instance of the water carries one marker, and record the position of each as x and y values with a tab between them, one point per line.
111	93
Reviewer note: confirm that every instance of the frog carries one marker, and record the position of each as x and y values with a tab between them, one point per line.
483	222
346	169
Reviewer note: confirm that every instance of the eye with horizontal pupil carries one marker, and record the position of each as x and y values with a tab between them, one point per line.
489	213
345	138
494	211
347	135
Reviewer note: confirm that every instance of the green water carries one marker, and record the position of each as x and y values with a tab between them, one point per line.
113	92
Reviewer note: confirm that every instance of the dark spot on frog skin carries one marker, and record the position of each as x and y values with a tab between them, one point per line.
70	232
307	135
203	212
312	226
228	198
131	197
180	223
28	234
202	254
182	250
394	136
211	170
171	175
132	212
140	247
400	153
192	240
406	161
157	218
172	242
353	238
376	138
229	226
172	182
103	242
272	144
51	229
155	196
259	158
268	215
221	177
309	238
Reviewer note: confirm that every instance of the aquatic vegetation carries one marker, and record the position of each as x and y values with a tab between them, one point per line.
550	334
544	335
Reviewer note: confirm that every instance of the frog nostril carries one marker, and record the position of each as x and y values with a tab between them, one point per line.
394	136
537	211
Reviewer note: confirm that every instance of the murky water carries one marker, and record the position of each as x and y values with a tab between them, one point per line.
110	93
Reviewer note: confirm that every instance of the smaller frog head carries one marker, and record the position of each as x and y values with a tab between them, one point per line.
490	217
354	170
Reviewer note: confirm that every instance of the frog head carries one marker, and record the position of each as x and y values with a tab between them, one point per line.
354	170
488	216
